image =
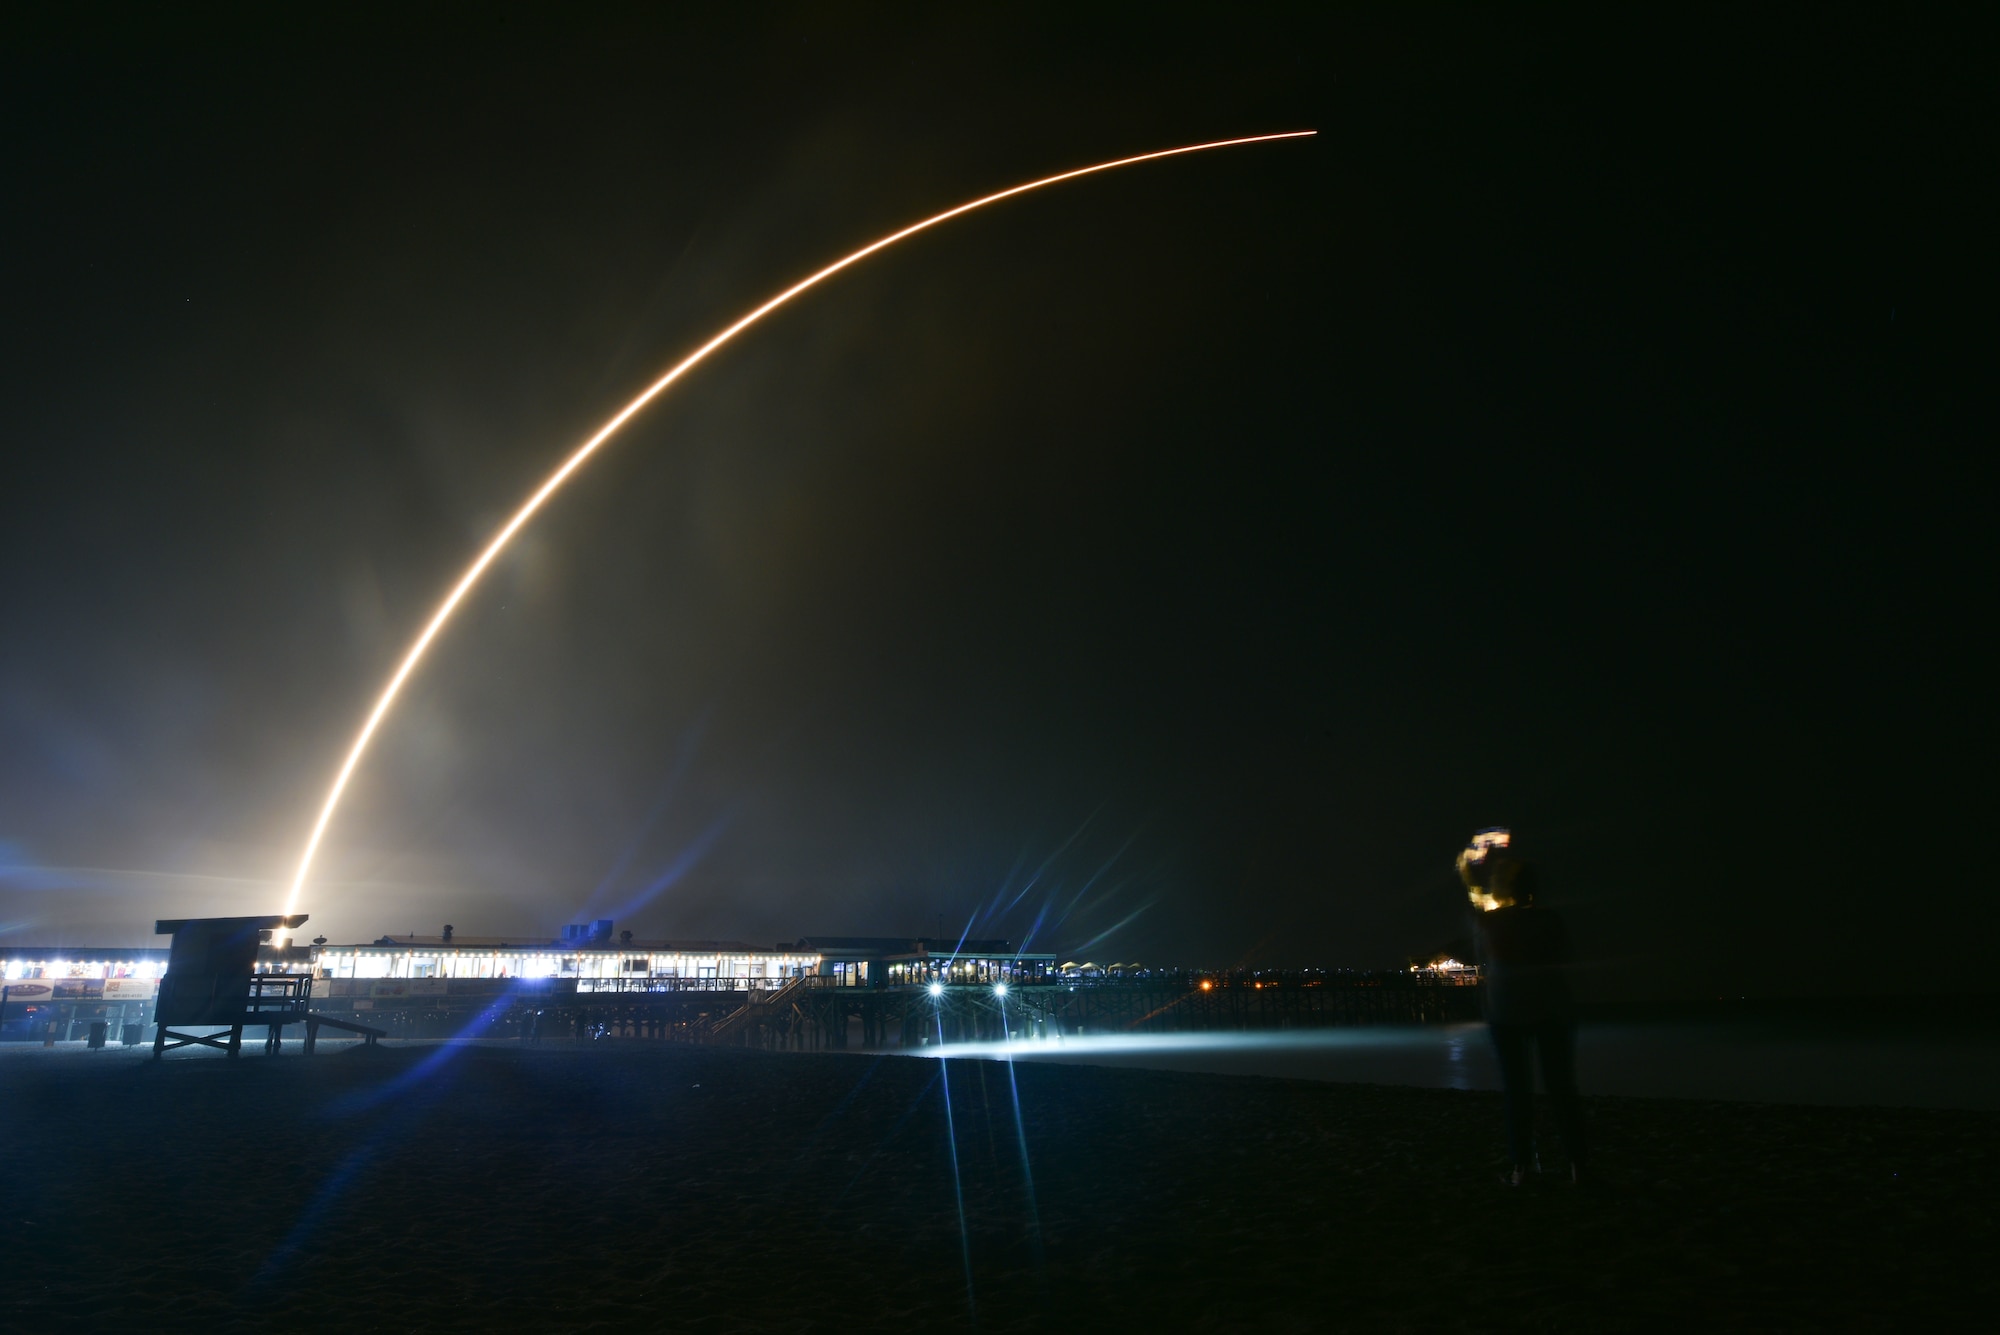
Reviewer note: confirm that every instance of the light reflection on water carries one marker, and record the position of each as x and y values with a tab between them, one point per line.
1793	1062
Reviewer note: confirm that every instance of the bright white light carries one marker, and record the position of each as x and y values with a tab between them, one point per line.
937	989
1075	1047
1000	989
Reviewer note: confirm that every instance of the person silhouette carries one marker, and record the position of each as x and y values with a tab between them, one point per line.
1524	958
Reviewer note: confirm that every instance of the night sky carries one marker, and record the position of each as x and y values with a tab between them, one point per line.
1587	432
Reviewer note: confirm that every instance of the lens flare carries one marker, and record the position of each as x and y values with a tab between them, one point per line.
583	453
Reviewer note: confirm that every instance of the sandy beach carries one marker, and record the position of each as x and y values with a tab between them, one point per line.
635	1186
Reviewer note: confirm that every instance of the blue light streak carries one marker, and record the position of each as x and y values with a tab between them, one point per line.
427	1078
684	862
894	1131
315	1212
1120	925
1049	861
1021	1138
683	759
957	1184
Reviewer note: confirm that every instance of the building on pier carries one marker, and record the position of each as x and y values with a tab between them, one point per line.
896	961
59	993
821	992
816	991
585	961
428	985
599	963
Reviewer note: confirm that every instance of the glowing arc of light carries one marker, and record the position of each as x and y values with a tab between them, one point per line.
583	452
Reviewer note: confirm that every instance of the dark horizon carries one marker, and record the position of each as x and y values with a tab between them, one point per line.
1583	433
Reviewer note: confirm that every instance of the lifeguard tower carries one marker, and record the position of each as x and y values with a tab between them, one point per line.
212	981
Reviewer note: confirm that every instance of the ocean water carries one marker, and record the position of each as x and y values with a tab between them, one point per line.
1763	1061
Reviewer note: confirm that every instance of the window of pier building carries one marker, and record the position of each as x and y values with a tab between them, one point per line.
968	970
19	968
406	962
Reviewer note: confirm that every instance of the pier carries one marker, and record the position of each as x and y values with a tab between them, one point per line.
815	1012
877	993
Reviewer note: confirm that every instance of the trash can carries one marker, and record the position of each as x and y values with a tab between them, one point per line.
130	1034
98	1028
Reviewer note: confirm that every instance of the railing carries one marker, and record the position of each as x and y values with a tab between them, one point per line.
1332	979
679	984
754	1008
793	986
274	996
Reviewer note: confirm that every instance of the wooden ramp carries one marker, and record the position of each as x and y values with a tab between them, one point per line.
315	1022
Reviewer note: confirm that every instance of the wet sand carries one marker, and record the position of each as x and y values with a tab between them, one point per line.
630	1186
1787	1059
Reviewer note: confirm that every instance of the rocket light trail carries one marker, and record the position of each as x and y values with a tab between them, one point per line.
583	452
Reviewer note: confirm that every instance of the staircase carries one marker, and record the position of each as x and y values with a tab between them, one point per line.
759	1007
